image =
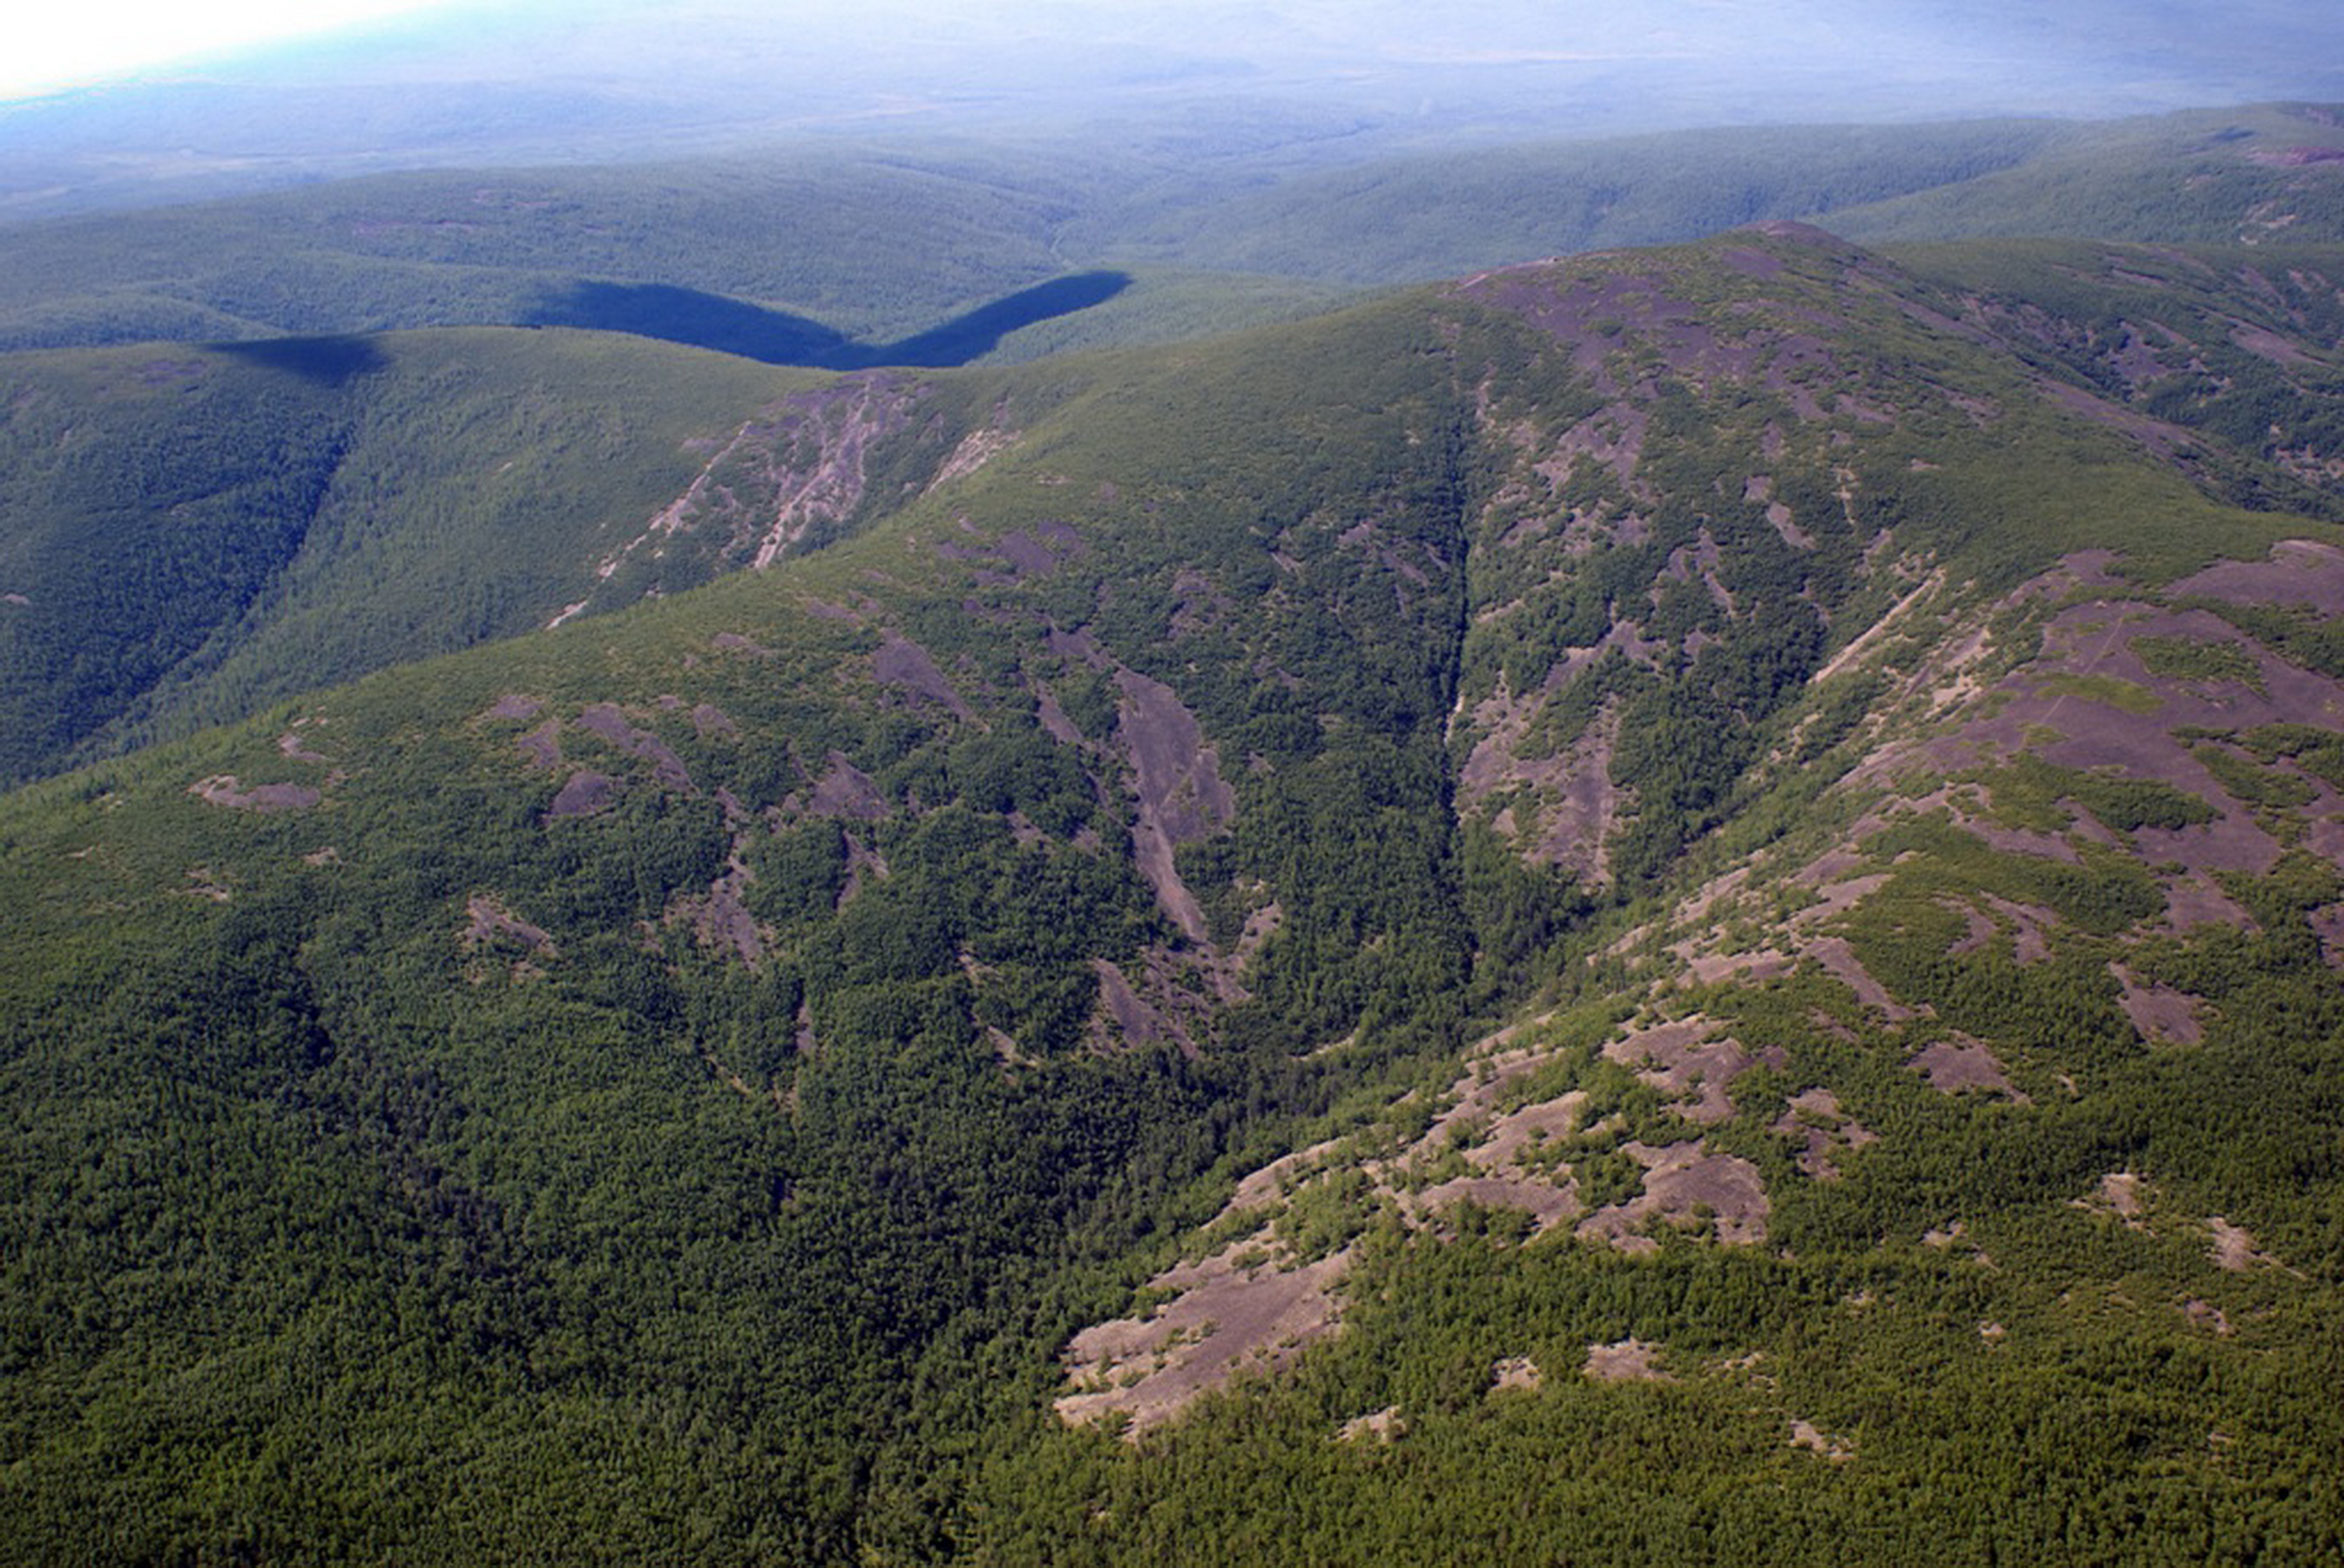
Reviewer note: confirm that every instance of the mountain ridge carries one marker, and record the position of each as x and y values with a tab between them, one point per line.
1668	815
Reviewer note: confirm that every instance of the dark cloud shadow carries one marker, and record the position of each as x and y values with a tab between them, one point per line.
330	361
778	338
690	317
978	333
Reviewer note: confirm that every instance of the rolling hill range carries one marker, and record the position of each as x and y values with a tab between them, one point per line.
361	499
1680	905
808	253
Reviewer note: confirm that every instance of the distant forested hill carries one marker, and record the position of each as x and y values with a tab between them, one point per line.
789	257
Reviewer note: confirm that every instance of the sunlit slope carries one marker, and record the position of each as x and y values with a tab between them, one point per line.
1721	815
1938	1162
2257	174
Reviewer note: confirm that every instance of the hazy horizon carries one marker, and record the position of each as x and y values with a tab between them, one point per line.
504	82
2003	57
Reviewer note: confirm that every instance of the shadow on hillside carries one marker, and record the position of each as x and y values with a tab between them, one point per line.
330	361
731	326
690	317
978	333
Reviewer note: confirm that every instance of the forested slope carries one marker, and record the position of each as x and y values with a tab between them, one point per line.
1674	906
193	531
1942	1167
2245	175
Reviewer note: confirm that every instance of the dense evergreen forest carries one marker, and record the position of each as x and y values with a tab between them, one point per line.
1674	906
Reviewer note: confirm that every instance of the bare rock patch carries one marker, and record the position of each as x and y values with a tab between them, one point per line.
1814	1119
585	793
846	791
1127	1015
541	747
1517	1373
904	665
1182	795
488	924
514	707
2234	1246
607	722
1958	1063
1384	1425
1814	1439
1685	1186
226	790
1623	1361
2120	1195
1233	1313
734	642
1691	1059
2298	572
720	918
2158	1014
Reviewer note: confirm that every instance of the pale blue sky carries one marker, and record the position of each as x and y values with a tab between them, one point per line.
2001	54
51	46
